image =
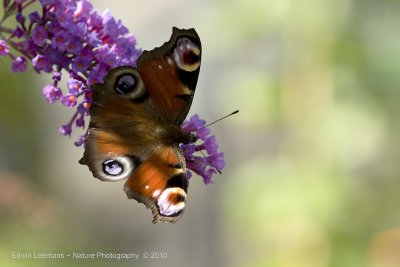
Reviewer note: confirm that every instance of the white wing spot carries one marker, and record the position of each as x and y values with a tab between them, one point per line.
156	193
168	208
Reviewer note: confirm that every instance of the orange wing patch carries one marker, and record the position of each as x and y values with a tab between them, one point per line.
158	183
170	77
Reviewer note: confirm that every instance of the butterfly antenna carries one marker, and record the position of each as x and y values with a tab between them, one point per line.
224	117
220	119
218	170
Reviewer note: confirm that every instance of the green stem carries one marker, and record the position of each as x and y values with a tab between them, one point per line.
28	4
4	29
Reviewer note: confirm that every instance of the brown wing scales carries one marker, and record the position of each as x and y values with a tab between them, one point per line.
169	75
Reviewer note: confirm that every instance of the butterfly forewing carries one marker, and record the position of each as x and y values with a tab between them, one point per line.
170	74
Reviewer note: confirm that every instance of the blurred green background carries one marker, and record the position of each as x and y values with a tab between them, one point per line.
312	174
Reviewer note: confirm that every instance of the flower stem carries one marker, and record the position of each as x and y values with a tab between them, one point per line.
28	4
4	29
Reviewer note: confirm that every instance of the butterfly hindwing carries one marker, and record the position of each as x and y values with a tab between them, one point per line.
160	183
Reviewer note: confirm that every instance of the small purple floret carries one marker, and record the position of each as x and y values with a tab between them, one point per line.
19	65
20	18
34	17
80	140
39	35
74	86
51	93
68	100
80	122
65	129
4	50
41	63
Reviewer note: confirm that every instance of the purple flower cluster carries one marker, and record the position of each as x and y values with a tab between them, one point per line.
70	36
210	161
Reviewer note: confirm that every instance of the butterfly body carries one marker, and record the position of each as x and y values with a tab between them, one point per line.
134	131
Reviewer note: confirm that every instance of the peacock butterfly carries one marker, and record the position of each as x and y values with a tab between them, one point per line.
135	118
